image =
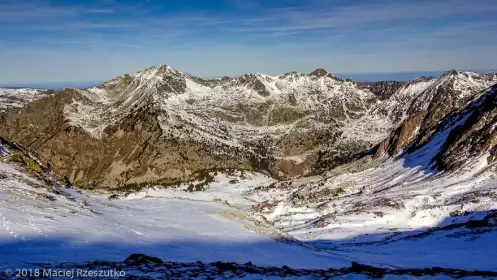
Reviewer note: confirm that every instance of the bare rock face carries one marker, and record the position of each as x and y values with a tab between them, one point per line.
442	98
401	137
474	134
252	81
290	167
384	89
319	73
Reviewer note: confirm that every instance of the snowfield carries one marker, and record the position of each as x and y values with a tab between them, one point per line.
39	225
76	227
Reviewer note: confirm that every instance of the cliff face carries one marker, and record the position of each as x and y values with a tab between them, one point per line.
429	110
384	89
474	133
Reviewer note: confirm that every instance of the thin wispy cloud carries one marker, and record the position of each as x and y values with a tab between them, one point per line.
329	16
100	11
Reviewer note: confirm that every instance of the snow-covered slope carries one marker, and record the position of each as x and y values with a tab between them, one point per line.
99	229
379	209
46	224
410	206
17	98
45	221
50	225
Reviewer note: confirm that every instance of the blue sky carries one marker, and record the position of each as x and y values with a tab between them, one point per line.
72	41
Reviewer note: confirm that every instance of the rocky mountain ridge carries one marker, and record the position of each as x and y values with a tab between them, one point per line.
18	97
448	94
161	125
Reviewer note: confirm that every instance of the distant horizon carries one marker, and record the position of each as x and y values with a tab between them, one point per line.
358	77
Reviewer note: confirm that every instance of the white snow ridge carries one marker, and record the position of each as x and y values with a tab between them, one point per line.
17	98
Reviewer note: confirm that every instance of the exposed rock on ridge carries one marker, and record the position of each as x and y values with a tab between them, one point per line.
443	97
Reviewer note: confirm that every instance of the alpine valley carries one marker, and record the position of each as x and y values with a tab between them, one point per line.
164	174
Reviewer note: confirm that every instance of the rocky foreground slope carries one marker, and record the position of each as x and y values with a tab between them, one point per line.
139	266
161	126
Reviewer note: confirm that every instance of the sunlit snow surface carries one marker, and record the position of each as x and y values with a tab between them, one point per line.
376	214
36	229
17	98
209	226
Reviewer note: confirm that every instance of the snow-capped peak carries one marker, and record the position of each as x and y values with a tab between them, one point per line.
18	97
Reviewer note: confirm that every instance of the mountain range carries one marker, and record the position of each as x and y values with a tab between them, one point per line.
310	158
161	125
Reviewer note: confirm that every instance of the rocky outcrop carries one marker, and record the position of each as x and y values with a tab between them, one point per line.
252	81
474	134
320	72
384	89
401	137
